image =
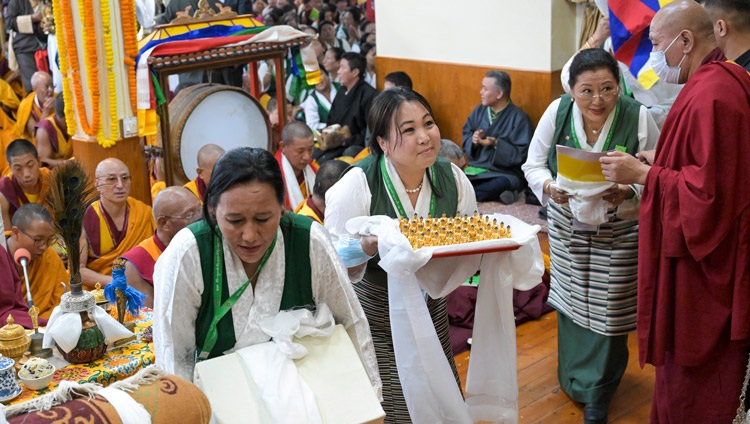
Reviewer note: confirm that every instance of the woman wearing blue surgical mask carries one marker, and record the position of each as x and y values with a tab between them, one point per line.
593	269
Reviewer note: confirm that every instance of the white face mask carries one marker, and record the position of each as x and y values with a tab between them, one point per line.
658	62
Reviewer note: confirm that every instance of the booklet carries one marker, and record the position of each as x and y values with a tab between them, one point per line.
579	165
474	170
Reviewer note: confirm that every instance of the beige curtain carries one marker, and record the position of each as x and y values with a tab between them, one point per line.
590	19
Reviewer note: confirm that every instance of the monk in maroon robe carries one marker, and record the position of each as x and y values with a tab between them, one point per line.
694	239
11	299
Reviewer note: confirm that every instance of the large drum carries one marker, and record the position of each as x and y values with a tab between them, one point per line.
213	114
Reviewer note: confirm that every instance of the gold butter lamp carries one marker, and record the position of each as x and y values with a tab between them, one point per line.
13	340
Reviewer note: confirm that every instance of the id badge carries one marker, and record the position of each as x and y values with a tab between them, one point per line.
583	228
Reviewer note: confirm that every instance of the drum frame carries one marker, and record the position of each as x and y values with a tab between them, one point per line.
251	54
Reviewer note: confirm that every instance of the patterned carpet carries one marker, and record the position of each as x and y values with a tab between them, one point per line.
521	210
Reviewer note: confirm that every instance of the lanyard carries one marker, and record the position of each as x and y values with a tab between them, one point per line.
394	195
221	309
609	135
491	116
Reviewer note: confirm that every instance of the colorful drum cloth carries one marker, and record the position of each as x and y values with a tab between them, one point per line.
117	364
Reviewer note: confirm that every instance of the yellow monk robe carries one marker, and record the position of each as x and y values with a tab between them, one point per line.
12	191
156	188
45	276
27	108
102	247
9	99
308	208
197	187
62	146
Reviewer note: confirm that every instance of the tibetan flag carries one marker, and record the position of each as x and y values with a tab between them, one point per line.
629	22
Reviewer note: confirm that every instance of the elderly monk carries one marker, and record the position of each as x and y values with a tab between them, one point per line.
174	208
28	182
694	233
36	106
52	138
294	157
34	230
113	224
315	205
207	157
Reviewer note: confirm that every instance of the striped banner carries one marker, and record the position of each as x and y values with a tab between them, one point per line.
629	22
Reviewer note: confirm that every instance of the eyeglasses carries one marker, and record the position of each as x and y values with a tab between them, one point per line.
38	243
607	93
192	216
112	179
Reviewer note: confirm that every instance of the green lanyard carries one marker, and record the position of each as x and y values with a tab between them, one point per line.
221	309
394	195
609	135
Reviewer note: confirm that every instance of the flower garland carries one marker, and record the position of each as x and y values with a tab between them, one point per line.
89	34
63	55
109	60
130	44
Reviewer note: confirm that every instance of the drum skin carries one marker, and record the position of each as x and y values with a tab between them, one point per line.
213	114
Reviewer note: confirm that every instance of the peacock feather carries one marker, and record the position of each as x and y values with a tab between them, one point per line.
70	194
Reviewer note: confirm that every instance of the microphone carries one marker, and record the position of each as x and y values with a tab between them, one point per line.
22	257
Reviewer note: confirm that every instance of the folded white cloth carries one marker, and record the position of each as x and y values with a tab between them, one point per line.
64	328
130	411
273	371
586	201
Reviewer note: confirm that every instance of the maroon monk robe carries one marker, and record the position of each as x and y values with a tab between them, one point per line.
694	236
11	299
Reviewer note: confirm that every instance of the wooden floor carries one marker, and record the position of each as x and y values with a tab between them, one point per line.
540	398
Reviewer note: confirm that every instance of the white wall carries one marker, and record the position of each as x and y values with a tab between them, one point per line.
534	35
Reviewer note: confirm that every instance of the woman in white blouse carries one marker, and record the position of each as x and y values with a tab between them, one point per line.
248	247
402	176
593	268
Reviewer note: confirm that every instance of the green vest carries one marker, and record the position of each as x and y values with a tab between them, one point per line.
443	186
297	278
625	135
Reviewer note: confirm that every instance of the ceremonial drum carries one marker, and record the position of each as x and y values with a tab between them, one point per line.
213	114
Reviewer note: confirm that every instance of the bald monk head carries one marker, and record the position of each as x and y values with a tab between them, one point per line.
33	229
41	83
207	157
731	21
174	208
684	32
113	181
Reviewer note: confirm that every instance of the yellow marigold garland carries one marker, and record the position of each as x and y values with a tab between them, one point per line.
130	44
63	55
89	35
109	59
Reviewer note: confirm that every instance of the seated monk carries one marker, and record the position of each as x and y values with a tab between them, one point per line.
34	230
315	205
8	105
113	224
174	208
36	106
28	182
295	159
12	301
52	138
207	157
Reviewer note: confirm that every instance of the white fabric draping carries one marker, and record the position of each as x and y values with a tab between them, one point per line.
428	383
64	328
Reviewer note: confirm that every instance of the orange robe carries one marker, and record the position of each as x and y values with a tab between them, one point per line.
27	108
197	187
102	249
45	276
308	208
62	146
7	123
144	257
12	191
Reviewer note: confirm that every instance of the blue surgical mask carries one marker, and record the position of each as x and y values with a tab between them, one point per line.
658	62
